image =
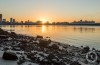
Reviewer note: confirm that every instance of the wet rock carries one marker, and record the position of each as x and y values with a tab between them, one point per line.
6	48
9	56
49	40
51	56
16	49
54	46
39	37
85	49
35	42
43	43
75	63
93	49
4	36
2	32
31	56
20	62
48	63
13	34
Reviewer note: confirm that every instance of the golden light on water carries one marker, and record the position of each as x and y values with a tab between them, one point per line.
43	28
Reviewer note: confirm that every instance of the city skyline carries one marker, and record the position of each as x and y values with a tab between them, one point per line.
13	21
50	10
42	20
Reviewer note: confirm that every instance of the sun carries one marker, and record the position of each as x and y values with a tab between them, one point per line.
43	20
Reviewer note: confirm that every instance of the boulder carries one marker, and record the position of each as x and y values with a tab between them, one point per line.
85	49
2	32
9	56
44	43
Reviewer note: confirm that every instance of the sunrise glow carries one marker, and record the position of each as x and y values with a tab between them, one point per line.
43	20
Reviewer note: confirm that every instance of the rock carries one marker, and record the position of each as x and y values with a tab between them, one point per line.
51	56
20	62
75	63
6	48
49	40
44	43
38	36
49	63
4	36
54	46
2	32
93	49
31	56
9	56
13	34
16	48
85	49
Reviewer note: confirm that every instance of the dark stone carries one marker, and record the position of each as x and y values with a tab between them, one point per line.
20	62
35	43
93	49
85	49
2	32
44	43
54	46
75	63
31	56
13	34
9	56
50	62
3	36
51	56
16	49
49	40
6	48
39	37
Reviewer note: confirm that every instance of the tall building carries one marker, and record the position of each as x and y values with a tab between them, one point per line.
14	21
0	17
11	20
4	20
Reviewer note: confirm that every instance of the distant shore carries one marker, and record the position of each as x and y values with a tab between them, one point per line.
58	24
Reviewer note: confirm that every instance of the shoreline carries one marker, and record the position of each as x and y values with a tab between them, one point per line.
43	51
51	25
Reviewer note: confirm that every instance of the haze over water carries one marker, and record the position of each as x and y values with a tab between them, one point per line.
74	35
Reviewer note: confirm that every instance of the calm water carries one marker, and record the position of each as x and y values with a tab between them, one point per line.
74	35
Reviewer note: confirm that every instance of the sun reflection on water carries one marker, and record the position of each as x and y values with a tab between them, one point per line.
43	29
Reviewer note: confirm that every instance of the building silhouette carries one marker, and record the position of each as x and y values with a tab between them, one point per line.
0	18
3	20
11	20
81	22
14	20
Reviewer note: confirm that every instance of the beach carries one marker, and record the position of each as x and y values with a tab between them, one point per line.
38	50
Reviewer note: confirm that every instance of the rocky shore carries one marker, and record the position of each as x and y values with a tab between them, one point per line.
28	50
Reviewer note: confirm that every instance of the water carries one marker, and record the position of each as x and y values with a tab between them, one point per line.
74	35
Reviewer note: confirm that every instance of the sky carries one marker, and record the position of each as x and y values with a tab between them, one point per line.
51	10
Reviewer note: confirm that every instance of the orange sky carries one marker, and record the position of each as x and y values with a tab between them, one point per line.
51	10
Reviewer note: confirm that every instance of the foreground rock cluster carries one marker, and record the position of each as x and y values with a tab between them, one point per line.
28	50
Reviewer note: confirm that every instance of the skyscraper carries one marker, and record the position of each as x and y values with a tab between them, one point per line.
0	17
3	20
14	21
11	20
